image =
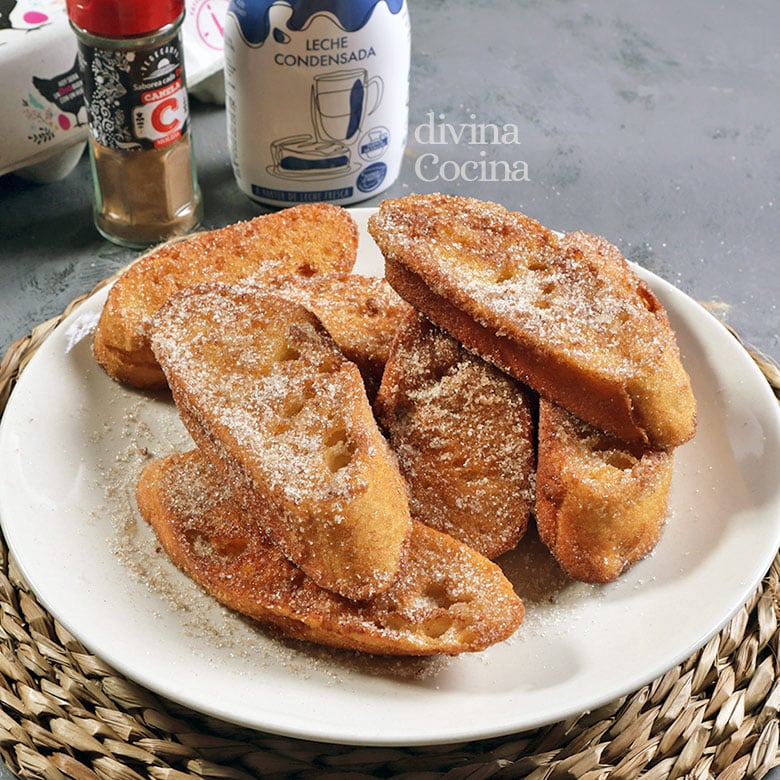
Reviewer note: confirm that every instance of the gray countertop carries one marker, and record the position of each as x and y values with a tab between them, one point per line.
656	125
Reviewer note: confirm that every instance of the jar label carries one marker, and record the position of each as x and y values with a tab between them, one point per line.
317	97
136	98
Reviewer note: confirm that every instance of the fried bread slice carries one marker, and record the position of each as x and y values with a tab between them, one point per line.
361	313
273	403
302	240
463	434
568	317
600	504
445	599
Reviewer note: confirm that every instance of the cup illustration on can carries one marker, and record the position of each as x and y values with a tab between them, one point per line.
339	106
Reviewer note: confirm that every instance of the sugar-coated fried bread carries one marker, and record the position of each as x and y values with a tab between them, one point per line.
446	599
566	316
304	240
361	313
600	503
283	415
463	434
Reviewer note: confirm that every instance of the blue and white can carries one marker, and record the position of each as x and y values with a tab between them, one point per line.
317	95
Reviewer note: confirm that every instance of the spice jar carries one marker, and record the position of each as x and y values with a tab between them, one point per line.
132	65
317	96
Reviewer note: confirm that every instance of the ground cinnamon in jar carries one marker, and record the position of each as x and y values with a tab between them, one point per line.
143	197
132	65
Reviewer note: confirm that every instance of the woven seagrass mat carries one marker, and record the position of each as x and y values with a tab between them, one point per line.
66	714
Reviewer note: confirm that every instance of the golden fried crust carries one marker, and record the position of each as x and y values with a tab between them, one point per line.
462	431
566	316
281	413
303	240
600	503
361	313
445	599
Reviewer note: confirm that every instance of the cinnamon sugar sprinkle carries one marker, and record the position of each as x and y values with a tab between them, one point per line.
149	428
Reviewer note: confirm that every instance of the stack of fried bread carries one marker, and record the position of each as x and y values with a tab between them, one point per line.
283	418
569	318
446	599
366	446
292	509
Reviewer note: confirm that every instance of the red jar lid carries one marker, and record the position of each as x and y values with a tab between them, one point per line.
123	17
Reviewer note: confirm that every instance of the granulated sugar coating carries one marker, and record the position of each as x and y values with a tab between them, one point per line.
211	625
446	599
361	313
566	315
273	403
601	505
149	428
463	434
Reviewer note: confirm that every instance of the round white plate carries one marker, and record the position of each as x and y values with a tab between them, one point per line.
72	442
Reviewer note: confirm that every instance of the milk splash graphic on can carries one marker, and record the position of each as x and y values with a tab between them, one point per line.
317	96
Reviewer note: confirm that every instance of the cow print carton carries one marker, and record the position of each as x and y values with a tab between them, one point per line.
43	123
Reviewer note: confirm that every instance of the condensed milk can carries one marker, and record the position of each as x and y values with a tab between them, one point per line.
317	96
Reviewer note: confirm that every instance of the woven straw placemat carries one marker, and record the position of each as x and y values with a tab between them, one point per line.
66	714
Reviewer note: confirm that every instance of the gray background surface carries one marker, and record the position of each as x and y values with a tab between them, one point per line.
656	125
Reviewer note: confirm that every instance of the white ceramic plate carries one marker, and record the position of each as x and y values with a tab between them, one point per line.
71	445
